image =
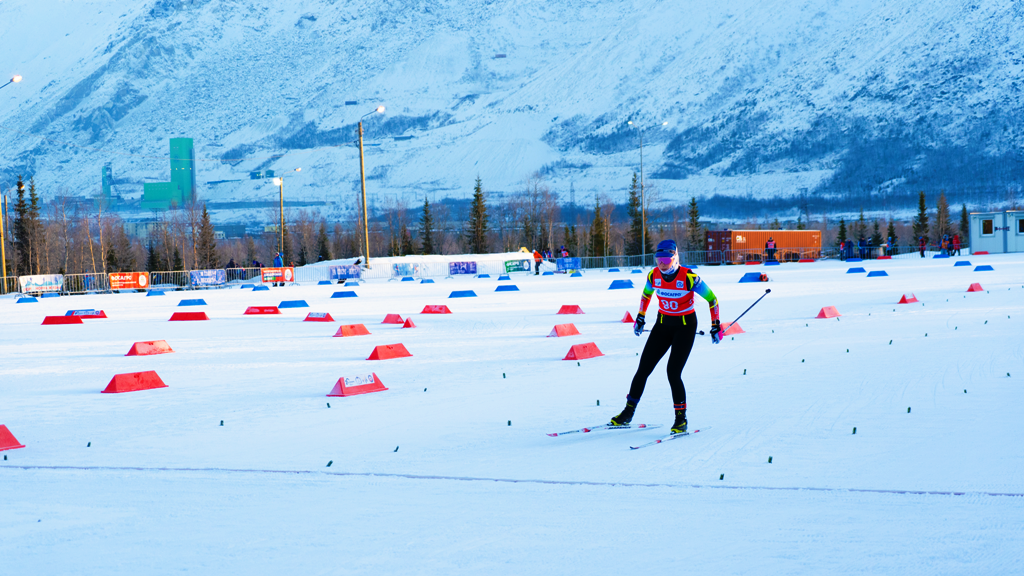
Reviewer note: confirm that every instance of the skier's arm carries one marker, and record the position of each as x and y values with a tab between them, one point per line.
645	298
705	292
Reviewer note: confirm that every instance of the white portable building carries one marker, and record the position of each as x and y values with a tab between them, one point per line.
997	232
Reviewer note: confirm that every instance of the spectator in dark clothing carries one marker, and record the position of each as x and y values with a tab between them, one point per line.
862	247
921	245
769	249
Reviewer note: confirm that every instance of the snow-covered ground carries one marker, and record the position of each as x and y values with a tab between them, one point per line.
429	477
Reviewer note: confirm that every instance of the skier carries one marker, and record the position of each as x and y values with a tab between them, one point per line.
675	328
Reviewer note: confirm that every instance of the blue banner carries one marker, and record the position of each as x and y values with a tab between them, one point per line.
207	277
565	264
405	269
461	268
345	272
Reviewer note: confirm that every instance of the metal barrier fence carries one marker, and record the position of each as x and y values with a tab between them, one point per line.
181	280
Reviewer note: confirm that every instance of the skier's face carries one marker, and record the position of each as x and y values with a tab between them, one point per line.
668	264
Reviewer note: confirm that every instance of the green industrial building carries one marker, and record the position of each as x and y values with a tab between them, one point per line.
182	187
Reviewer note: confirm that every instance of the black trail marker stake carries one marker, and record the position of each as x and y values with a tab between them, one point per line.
744	371
329	462
509	422
890	342
577	363
328	404
89	445
396	448
908	409
598	402
854	429
721	476
221	422
769	459
502	374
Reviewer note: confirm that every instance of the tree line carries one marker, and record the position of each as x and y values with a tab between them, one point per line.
70	235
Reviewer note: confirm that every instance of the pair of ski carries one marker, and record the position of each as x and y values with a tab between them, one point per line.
628	427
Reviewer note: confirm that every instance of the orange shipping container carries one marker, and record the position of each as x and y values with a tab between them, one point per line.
739	246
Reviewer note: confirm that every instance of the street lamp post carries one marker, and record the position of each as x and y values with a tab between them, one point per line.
643	199
14	80
362	179
3	245
279	181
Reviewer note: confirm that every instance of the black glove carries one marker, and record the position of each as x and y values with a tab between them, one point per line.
638	325
716	327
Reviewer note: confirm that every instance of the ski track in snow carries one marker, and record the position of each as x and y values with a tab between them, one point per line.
165	488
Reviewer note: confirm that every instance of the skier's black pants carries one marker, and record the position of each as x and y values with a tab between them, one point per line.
667	332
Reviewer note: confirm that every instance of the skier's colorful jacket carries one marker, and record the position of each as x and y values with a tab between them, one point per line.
675	297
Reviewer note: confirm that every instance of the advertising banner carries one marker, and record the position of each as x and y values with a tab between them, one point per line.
128	280
207	277
518	265
42	283
461	268
565	264
278	274
406	269
345	272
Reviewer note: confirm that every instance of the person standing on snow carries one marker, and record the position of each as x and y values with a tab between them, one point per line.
278	263
536	263
675	328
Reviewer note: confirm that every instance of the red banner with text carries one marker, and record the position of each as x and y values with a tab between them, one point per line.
129	280
278	274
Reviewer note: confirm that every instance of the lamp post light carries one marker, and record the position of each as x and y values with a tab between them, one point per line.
362	179
14	80
279	181
643	198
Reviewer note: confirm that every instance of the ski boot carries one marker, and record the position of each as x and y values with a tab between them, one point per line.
679	426
626	416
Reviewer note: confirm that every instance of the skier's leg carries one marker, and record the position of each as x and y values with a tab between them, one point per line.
682	344
657	344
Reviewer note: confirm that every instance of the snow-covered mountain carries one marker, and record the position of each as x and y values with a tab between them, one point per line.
763	99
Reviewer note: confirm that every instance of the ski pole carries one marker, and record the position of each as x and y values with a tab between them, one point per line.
766	292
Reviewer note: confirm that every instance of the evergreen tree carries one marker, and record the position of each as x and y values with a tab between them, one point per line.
152	259
694	230
775	225
597	238
206	246
965	226
635	236
426	229
943	223
891	233
921	220
20	232
120	255
571	243
476	227
178	265
34	229
407	245
323	243
876	235
800	222
861	228
841	237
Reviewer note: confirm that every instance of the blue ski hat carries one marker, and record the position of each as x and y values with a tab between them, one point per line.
666	248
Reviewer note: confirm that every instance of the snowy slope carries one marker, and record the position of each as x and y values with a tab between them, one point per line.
412	489
762	98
